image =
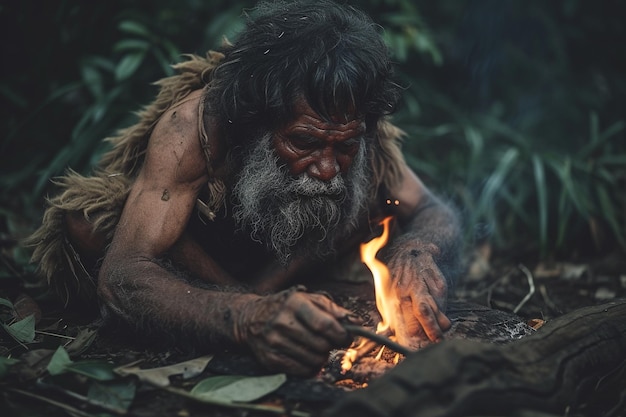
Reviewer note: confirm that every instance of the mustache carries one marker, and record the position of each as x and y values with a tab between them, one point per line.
307	186
296	215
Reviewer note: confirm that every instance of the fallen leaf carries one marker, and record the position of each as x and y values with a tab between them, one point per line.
98	370
25	306
604	294
23	330
82	341
5	364
535	323
59	362
160	377
116	394
233	388
573	271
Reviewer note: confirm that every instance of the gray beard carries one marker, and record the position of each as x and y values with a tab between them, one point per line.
297	216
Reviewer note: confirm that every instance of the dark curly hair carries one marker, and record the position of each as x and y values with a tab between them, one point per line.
331	54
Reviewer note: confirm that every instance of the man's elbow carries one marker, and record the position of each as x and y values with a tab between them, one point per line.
111	287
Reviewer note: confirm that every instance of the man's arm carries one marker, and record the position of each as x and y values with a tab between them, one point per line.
291	331
424	257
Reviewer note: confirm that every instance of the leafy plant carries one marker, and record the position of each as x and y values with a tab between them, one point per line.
512	109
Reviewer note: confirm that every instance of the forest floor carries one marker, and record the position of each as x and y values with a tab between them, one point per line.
103	373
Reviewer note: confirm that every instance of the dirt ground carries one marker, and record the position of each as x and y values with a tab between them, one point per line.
507	299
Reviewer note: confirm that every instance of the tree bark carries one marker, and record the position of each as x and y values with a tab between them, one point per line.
573	365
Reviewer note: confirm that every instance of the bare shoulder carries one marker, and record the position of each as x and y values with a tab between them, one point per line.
174	144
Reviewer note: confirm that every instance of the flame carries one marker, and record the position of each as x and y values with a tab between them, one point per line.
386	303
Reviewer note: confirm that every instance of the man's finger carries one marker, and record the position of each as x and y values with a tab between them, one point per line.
428	319
321	316
293	328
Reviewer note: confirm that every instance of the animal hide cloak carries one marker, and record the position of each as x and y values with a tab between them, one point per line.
100	197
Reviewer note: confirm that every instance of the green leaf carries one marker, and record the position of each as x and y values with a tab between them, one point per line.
599	139
6	303
117	395
496	180
232	388
131	45
128	65
23	330
5	364
542	201
162	60
59	362
134	28
613	160
573	189
608	213
93	80
98	370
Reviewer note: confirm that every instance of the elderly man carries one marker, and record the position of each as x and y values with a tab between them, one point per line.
255	169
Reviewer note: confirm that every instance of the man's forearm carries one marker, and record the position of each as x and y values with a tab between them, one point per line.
433	224
154	301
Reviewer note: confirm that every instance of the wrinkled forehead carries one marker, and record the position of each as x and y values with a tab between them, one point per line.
343	119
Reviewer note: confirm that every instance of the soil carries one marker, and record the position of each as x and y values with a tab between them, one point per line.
494	302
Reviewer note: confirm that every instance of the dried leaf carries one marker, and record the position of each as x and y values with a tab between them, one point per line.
82	341
535	323
232	388
160	376
25	306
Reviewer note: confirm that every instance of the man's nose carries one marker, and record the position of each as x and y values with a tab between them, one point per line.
325	167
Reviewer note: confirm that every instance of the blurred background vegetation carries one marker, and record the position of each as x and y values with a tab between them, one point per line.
514	109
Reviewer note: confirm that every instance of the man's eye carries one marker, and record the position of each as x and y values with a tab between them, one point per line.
348	145
304	142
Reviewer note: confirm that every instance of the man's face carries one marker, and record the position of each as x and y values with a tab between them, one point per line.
322	150
303	187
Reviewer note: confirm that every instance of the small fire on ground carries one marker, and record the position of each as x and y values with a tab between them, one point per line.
387	303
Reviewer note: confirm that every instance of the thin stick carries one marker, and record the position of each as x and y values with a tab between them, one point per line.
67	408
360	331
531	290
82	398
61	336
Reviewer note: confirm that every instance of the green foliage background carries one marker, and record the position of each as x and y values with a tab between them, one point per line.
514	109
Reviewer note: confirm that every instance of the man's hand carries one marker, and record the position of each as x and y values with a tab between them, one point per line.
422	290
292	331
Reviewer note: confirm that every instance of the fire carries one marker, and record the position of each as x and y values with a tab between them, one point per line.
386	303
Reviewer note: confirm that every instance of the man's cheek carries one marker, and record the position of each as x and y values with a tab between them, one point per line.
345	162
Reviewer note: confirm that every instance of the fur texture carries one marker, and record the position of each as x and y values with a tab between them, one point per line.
101	197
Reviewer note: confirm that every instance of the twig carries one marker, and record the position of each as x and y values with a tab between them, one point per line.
82	398
493	285
360	331
546	298
61	336
531	290
67	408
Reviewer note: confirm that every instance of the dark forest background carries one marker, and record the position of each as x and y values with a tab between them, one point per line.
515	109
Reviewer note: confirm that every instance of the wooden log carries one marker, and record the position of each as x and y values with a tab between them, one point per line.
573	364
